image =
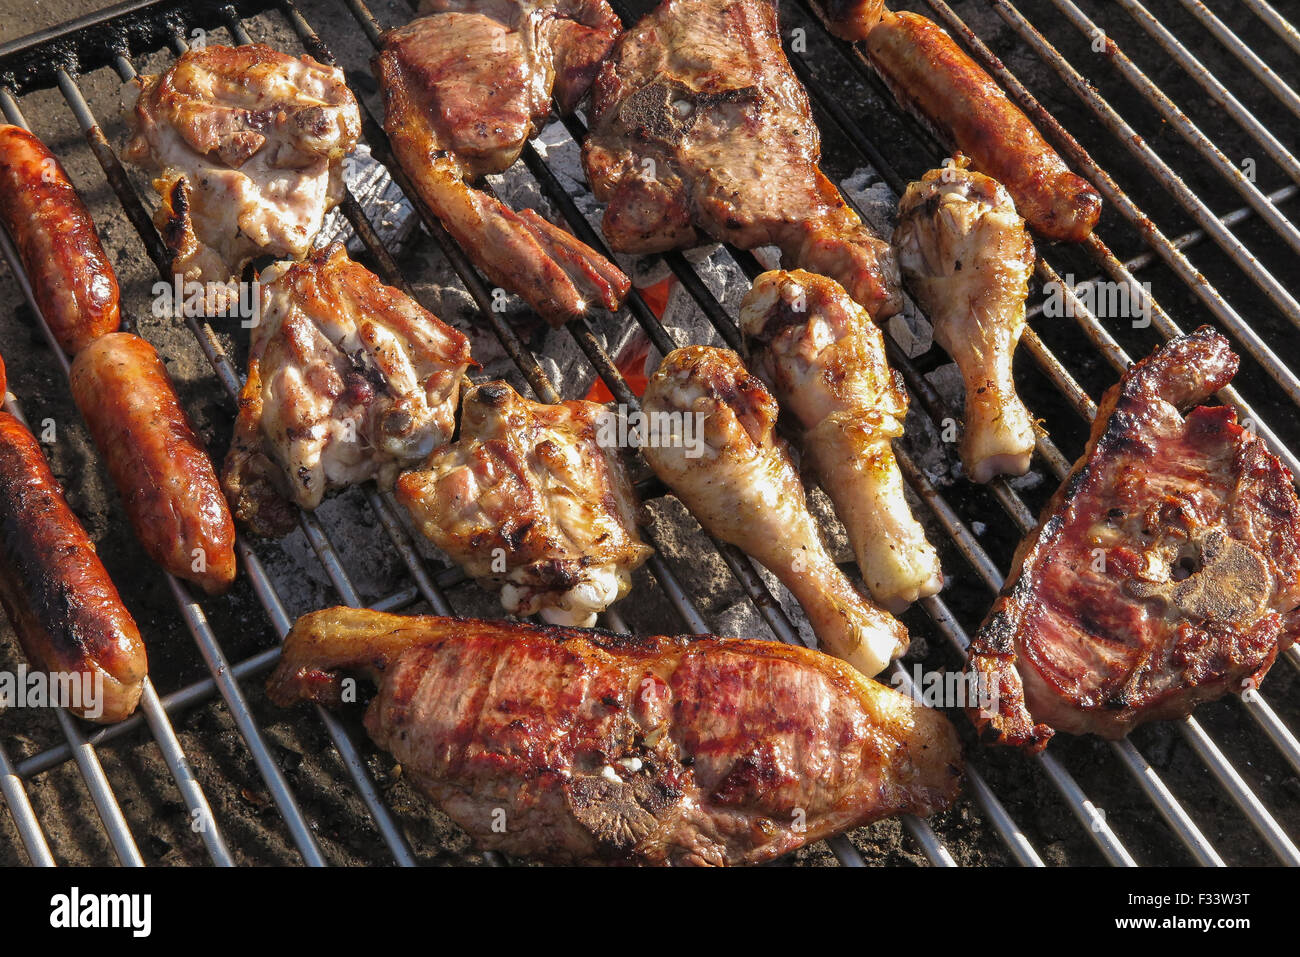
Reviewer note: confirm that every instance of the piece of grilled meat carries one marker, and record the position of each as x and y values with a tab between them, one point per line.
530	501
737	479
699	128
249	144
824	360
348	380
968	258
1165	572
464	90
577	746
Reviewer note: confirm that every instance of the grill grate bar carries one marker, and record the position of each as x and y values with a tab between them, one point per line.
20	807
1240	791
1276	23
1249	59
1210	83
1195	206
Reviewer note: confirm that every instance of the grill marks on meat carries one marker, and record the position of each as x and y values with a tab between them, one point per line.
599	747
1166	570
530	501
700	129
464	90
348	380
250	145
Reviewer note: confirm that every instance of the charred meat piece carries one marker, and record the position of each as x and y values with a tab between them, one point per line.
529	500
591	747
968	258
1165	572
699	128
824	360
737	479
464	90
348	380
249	144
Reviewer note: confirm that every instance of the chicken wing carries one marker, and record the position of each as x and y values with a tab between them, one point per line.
250	144
463	91
968	258
824	360
581	747
744	490
530	501
348	380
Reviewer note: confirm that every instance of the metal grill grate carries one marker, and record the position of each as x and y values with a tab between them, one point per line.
60	58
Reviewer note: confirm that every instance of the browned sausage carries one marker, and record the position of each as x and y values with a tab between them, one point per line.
53	587
931	76
72	279
4	384
851	19
158	464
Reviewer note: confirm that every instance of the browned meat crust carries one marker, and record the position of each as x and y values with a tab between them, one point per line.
63	606
580	746
1165	571
159	465
72	280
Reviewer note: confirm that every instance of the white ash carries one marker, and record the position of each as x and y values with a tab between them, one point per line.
384	203
979	528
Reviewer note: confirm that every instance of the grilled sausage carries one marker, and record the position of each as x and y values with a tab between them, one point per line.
931	77
4	384
55	590
72	280
158	464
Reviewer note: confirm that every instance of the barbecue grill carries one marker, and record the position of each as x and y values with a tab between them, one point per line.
1222	784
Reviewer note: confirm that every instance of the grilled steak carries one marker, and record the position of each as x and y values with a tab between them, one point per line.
699	128
579	746
1165	571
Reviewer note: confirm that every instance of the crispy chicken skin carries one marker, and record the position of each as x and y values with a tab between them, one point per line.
824	360
743	489
699	128
1165	572
575	746
968	258
464	90
348	380
531	503
249	144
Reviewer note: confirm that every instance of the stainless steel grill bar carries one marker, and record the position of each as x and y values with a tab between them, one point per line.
1276	23
1192	133
1249	59
1210	83
20	807
1151	162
